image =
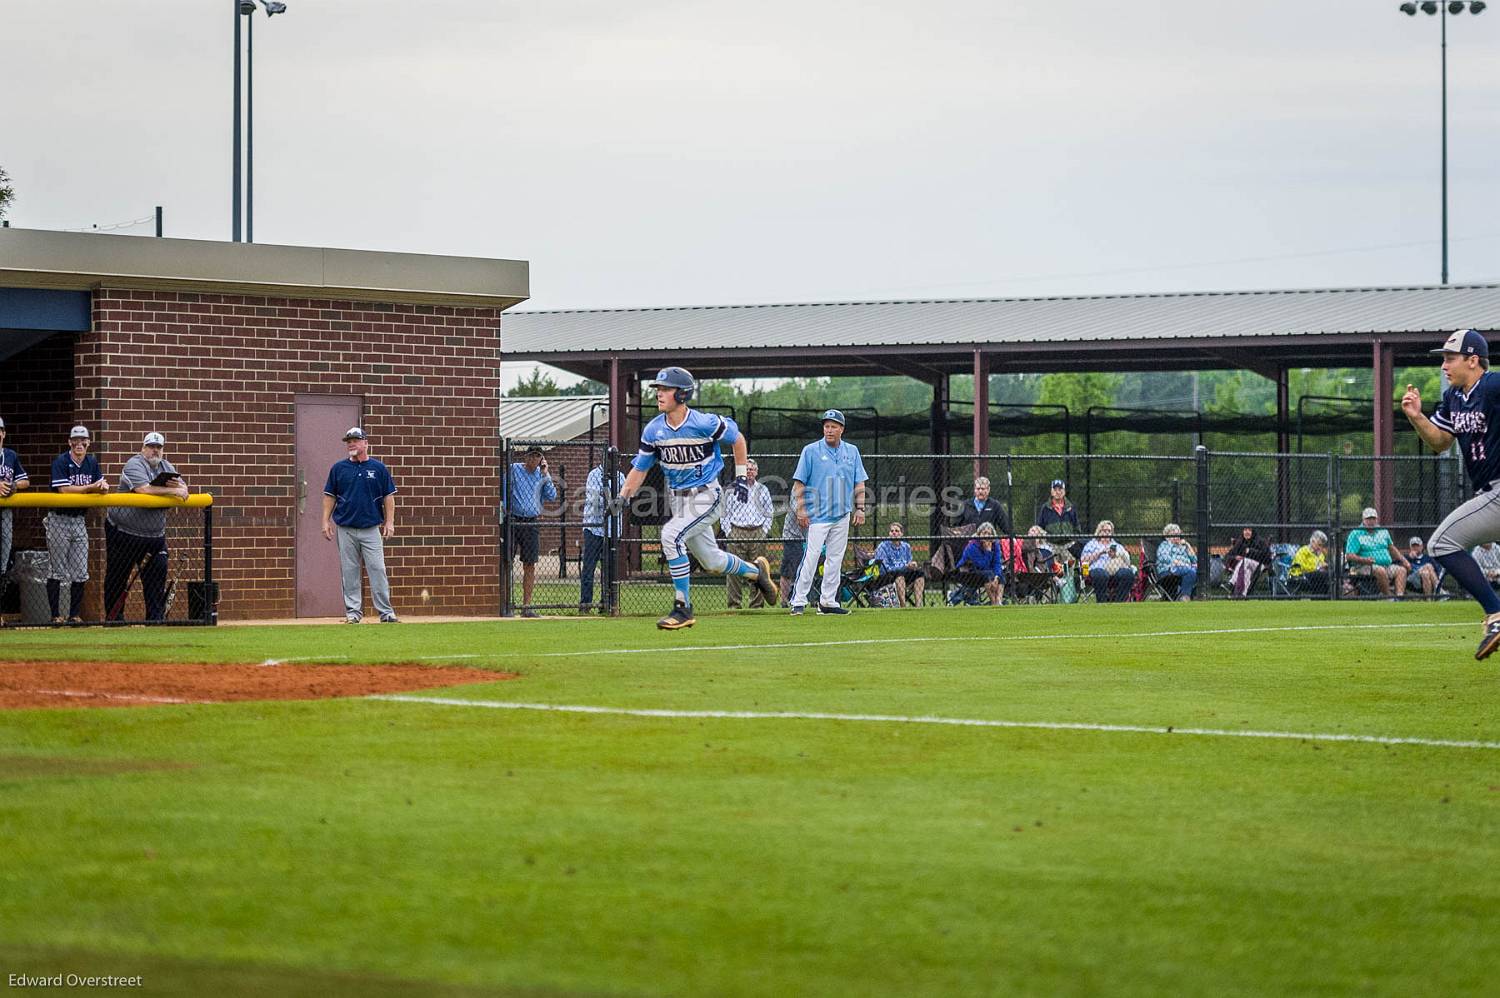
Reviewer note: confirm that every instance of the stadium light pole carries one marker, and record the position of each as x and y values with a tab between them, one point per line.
244	162
1442	10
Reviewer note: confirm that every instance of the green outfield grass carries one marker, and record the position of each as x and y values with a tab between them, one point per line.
375	847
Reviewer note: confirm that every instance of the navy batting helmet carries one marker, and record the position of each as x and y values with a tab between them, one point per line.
678	378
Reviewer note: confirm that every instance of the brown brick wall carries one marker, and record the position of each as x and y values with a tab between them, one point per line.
217	373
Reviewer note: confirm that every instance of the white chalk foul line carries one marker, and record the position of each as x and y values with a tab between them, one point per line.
992	638
966	722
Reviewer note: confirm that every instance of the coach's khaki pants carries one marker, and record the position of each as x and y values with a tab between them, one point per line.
748	544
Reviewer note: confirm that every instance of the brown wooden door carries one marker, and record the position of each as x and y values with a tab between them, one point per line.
320	426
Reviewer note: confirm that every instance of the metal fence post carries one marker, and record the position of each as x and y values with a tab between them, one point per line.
1205	557
507	609
1336	566
210	598
610	584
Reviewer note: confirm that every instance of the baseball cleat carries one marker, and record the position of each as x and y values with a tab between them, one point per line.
797	611
765	583
832	611
1491	639
680	617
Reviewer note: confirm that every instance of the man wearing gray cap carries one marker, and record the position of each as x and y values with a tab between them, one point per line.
827	488
135	538
1469	413
359	511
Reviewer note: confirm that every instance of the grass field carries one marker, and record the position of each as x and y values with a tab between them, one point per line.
390	847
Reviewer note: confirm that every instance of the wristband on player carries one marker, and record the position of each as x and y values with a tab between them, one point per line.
741	471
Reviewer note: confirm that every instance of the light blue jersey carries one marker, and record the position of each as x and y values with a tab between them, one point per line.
829	475
689	454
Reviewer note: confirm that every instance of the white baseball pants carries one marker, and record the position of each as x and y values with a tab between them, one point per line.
832	538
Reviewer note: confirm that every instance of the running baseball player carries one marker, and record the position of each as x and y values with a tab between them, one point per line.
1469	413
686	443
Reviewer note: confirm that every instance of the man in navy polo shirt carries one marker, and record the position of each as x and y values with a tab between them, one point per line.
359	509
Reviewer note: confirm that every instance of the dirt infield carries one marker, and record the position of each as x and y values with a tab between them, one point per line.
141	684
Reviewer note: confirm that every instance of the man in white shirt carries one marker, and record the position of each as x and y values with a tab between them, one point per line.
747	524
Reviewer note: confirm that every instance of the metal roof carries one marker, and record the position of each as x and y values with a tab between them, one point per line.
926	331
553	417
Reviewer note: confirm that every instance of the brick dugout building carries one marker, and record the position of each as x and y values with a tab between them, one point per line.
253	359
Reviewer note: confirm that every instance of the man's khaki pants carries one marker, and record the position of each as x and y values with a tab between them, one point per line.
746	543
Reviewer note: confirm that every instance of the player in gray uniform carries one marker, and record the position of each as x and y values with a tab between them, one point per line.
1470	414
74	471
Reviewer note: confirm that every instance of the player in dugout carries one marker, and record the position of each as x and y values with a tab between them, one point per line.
1468	412
686	443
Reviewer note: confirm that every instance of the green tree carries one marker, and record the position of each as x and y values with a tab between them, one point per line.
7	192
538	384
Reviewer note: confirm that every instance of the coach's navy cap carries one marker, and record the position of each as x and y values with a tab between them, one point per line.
1467	342
836	416
1058	483
354	433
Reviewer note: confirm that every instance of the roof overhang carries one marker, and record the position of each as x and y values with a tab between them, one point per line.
84	261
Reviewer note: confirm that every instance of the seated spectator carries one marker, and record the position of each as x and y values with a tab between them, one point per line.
897	566
1108	565
1424	567
1246	557
1308	573
982	565
1038	553
1371	552
1488	556
1176	559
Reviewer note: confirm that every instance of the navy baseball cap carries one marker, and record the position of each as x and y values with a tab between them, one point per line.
354	433
1058	483
836	416
1467	342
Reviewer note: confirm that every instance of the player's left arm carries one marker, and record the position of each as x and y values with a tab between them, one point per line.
388	529
860	497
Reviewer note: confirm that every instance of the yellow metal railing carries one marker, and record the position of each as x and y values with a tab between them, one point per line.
89	500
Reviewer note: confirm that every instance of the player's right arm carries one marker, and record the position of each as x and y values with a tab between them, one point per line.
1432	435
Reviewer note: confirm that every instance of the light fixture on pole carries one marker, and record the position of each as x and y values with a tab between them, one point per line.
1453	7
244	162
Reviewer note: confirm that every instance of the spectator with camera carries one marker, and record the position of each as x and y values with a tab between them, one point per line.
1108	565
530	485
1176	559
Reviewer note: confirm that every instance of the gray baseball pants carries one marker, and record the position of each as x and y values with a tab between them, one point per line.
1471	523
67	547
362	545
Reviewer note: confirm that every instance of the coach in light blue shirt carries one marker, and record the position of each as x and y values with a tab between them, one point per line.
827	486
530	485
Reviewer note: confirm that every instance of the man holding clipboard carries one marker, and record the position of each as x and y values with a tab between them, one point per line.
136	539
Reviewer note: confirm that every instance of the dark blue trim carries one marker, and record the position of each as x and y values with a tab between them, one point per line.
35	308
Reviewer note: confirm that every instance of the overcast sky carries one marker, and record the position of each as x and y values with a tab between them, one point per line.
705	152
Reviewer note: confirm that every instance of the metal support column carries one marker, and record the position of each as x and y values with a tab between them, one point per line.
981	412
1283	447
1383	359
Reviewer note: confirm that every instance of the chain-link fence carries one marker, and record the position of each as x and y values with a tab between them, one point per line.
112	559
1206	524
